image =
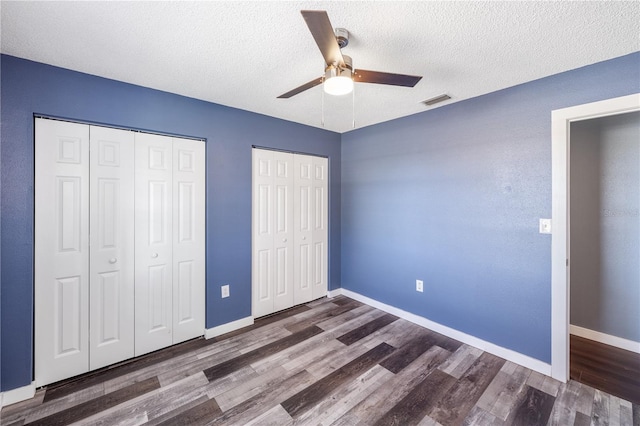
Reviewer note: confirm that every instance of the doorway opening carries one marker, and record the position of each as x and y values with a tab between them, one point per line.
561	248
604	242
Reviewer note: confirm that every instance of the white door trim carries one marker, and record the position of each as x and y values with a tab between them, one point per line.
560	122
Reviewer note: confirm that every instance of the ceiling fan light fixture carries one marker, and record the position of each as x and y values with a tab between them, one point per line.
338	82
338	85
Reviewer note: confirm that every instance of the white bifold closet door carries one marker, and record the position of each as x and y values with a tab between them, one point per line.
170	239
119	245
289	256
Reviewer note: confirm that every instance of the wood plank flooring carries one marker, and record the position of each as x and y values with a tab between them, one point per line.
610	369
330	362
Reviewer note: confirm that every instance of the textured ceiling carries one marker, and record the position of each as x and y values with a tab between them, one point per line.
245	54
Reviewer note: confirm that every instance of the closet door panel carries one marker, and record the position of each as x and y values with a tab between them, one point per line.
303	225
153	242
112	246
262	275
272	269
320	224
61	253
188	239
283	231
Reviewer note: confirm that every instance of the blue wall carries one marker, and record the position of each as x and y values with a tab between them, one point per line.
29	87
453	196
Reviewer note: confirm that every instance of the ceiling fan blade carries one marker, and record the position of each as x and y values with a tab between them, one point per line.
322	31
302	88
365	76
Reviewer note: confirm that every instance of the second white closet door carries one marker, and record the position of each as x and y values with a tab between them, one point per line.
153	239
290	230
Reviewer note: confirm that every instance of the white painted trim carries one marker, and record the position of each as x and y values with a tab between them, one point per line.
492	348
607	339
228	327
560	251
334	293
16	395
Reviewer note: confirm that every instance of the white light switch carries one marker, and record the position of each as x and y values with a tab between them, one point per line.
225	290
545	226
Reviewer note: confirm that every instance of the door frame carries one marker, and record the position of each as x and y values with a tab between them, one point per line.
561	120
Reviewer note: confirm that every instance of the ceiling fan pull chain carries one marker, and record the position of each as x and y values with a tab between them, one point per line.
322	107
353	106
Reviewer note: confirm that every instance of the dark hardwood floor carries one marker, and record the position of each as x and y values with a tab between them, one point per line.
329	362
610	369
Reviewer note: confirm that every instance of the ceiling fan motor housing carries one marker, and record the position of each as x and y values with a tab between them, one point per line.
342	37
342	71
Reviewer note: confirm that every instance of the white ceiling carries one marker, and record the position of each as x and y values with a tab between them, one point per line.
245	53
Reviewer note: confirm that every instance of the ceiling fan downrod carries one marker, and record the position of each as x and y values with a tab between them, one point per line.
342	37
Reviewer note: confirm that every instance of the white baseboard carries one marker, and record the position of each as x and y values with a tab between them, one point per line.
228	327
16	395
334	293
508	354
607	339
244	322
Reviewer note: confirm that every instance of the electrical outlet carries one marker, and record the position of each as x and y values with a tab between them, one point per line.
225	291
419	286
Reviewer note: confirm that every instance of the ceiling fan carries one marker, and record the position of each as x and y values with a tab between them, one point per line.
339	73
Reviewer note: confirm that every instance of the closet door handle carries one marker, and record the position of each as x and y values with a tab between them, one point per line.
304	238
113	260
154	255
284	240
